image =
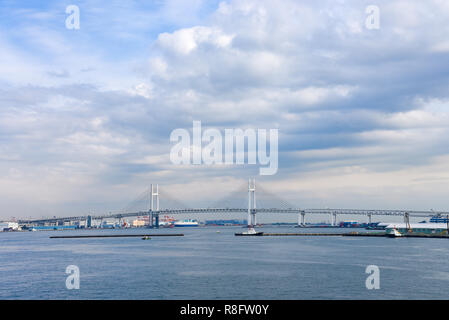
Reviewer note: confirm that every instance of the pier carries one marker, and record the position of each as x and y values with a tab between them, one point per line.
350	234
119	236
292	234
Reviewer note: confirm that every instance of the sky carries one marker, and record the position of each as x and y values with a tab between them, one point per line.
86	114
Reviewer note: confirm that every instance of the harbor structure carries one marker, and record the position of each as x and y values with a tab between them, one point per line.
418	228
138	223
53	228
226	222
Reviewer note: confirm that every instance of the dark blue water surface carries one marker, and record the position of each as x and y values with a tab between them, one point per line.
205	264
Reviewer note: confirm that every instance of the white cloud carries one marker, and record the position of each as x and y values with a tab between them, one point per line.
314	95
184	41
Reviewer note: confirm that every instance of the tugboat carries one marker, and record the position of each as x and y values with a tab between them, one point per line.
394	233
251	232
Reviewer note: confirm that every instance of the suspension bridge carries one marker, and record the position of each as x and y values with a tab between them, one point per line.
267	203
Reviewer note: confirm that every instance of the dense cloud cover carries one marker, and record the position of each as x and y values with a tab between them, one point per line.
86	115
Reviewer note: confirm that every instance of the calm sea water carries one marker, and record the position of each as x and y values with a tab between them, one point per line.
205	264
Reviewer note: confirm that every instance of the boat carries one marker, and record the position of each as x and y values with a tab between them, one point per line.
186	223
251	232
393	233
146	238
438	218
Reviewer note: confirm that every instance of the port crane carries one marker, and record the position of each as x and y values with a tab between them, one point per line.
407	222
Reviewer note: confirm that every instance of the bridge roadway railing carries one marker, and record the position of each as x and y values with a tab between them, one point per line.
412	213
160	212
51	220
376	212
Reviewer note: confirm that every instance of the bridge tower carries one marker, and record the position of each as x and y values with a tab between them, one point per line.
154	207
334	218
251	203
302	218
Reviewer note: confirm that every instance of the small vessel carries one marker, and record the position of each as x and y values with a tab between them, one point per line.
393	233
146	238
251	232
186	223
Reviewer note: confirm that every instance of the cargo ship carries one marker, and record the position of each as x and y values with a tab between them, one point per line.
186	223
438	219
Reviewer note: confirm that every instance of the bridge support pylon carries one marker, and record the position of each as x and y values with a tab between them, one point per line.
251	203
334	219
154	207
301	218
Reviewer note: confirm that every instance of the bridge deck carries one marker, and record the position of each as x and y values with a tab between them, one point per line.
377	212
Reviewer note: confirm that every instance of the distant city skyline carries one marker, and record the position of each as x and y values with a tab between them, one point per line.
361	105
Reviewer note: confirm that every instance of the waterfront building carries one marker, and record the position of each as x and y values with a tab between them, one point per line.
422	228
138	223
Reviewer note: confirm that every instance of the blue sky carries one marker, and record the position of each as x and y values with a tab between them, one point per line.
86	115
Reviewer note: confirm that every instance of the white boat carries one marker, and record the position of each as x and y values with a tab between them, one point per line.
251	232
393	233
186	223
